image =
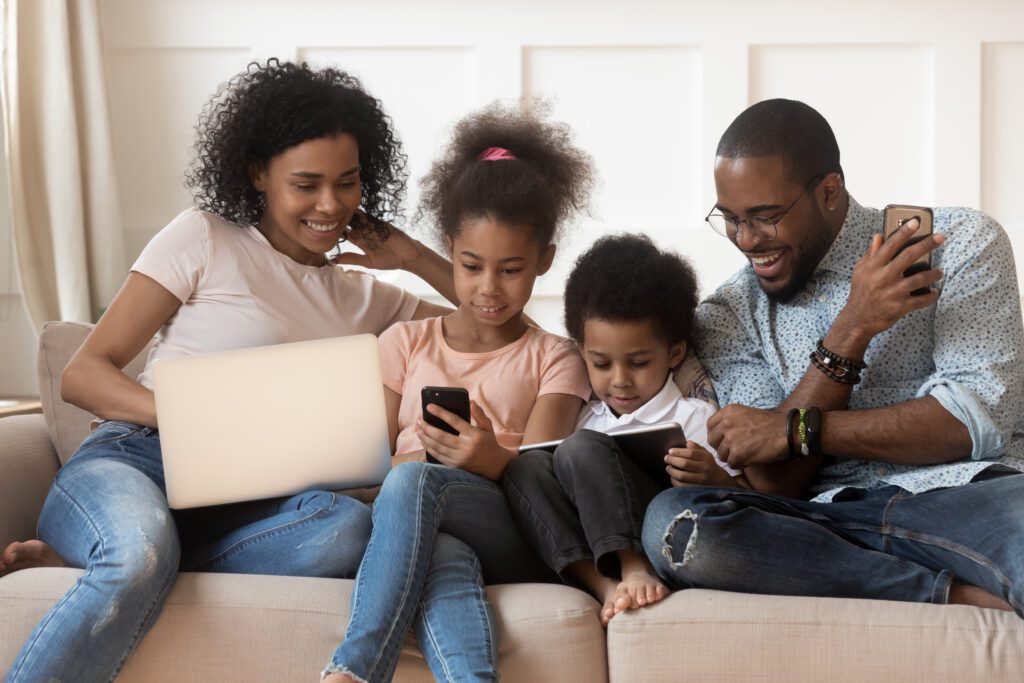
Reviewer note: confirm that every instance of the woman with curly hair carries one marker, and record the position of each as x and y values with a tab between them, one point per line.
498	197
285	156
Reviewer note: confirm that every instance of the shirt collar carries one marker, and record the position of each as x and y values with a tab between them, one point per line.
853	239
652	412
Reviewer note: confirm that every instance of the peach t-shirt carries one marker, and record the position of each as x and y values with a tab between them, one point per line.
505	382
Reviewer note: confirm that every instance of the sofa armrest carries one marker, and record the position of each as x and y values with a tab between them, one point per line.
28	462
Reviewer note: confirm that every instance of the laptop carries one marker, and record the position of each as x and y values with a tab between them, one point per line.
272	421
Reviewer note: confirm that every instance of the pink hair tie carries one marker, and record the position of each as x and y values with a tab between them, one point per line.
496	154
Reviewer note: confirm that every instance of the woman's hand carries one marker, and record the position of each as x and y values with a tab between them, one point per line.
397	252
475	449
695	466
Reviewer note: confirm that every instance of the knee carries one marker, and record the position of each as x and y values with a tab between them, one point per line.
342	534
146	551
406	475
670	535
527	468
581	449
356	519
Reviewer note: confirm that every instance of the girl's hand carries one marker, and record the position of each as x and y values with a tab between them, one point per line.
475	449
397	252
695	466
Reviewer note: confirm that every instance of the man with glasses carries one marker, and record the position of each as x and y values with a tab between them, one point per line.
882	429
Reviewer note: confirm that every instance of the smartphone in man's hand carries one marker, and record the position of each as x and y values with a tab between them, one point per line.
453	399
898	215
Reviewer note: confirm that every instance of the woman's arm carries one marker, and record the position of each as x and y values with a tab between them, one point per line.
93	379
399	251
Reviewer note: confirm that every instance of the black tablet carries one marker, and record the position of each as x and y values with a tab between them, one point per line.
645	445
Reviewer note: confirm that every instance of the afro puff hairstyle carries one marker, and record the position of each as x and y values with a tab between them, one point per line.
271	107
627	278
547	182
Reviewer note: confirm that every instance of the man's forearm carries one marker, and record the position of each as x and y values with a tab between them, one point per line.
917	432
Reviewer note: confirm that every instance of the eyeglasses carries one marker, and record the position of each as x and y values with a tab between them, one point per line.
764	228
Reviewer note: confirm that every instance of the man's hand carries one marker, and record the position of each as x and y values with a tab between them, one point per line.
475	449
745	436
879	293
695	466
397	252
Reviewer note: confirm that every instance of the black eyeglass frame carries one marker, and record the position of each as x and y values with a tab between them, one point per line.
763	223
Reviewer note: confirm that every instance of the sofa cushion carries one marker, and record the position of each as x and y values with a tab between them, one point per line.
234	627
703	635
693	381
68	424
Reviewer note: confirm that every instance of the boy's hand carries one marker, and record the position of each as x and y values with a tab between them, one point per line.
694	465
475	449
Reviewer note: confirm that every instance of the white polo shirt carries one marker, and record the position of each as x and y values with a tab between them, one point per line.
668	405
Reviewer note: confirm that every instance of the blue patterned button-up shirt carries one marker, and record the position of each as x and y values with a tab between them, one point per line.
965	352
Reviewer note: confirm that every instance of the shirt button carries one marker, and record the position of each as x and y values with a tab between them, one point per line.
822	298
881	471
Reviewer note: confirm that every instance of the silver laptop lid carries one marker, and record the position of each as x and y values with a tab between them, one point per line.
272	421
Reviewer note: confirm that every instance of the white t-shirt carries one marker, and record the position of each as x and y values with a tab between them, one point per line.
668	405
237	291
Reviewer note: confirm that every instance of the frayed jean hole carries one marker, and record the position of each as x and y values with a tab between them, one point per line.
667	548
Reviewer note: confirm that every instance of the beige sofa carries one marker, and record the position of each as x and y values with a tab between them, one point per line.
263	628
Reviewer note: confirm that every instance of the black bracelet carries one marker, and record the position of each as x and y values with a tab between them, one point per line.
837	359
831	373
813	424
836	368
789	431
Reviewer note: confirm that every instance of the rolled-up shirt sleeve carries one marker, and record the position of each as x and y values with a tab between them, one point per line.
733	356
978	374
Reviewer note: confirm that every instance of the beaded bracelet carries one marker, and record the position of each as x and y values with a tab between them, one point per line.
836	367
805	449
809	429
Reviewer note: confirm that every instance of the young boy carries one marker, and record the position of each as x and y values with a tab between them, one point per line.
630	309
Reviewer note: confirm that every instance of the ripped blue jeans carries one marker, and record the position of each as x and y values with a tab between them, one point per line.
886	544
107	513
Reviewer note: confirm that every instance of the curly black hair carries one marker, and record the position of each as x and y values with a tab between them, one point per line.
271	107
627	278
546	184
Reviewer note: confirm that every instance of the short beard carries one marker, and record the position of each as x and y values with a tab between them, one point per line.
819	239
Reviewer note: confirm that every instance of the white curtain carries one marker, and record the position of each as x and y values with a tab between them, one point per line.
67	228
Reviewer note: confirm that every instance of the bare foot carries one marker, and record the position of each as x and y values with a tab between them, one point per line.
28	555
966	594
642	588
639	581
612	600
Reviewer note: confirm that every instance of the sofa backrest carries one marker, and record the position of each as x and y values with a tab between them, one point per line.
693	380
67	424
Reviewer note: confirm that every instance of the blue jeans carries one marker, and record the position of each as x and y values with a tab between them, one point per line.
438	532
887	544
107	513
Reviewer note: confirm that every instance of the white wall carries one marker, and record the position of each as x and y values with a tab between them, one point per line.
924	96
